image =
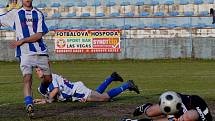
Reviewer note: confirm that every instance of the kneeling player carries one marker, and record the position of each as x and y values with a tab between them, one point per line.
184	108
62	89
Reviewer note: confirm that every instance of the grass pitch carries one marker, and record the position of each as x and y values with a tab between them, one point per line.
152	77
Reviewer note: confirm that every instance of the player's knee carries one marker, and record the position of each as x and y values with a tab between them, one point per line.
106	98
27	78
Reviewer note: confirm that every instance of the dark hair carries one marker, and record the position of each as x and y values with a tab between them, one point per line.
36	67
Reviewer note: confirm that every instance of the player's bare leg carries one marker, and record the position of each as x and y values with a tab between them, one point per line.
28	94
97	97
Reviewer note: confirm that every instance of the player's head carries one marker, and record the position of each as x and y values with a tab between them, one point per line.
170	102
39	72
27	3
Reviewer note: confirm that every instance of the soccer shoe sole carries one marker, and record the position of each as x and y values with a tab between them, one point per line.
30	111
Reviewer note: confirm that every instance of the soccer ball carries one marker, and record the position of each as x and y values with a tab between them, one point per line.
170	103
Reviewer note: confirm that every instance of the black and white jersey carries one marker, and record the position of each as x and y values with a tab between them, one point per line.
194	102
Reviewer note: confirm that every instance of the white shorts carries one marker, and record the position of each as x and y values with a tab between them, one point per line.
81	91
28	62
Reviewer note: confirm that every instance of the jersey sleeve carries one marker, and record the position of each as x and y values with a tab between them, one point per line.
55	79
8	19
42	25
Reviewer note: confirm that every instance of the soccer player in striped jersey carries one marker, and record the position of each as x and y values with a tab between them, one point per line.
29	25
62	89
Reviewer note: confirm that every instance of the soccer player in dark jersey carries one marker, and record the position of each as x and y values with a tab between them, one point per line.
192	108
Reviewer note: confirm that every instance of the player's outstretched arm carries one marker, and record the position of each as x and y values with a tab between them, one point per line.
39	101
52	95
50	99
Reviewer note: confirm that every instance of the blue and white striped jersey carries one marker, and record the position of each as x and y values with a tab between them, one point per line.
26	23
66	88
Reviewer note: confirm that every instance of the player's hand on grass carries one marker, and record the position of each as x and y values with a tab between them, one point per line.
40	101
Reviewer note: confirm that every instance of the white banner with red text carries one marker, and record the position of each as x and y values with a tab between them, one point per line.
87	41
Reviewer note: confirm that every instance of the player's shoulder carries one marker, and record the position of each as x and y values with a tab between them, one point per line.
14	10
56	76
38	11
19	9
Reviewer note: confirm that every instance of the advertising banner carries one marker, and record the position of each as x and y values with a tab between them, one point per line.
87	41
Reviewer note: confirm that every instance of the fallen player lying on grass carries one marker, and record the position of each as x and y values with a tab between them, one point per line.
174	106
62	89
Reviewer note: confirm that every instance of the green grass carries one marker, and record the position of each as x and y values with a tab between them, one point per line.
152	77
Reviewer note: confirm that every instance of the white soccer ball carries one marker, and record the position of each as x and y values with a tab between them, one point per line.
170	103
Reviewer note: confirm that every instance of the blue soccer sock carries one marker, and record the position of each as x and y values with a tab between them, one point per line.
116	91
104	85
28	100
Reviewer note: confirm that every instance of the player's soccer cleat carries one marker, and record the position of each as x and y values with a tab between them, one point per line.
44	95
133	87
30	110
116	77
